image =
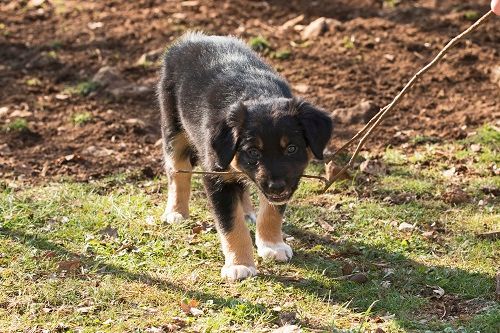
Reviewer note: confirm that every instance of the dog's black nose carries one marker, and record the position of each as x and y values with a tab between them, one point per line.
276	186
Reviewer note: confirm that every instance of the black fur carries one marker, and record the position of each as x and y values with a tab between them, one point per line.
233	107
223	197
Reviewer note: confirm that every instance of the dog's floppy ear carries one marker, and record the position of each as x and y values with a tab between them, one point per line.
317	126
224	140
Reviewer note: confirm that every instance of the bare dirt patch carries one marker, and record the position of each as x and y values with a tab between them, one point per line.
49	54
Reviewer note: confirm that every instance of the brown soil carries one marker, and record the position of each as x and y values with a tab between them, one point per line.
59	44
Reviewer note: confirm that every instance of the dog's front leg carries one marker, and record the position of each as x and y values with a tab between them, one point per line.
268	237
225	198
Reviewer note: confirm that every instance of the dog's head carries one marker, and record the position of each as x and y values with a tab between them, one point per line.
271	142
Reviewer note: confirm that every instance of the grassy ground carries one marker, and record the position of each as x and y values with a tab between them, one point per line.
63	269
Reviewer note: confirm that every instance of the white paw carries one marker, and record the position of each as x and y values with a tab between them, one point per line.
172	217
277	251
237	272
251	218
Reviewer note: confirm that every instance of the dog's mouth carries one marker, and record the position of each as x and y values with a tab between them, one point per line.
278	199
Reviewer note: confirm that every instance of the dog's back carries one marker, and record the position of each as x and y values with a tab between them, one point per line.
211	72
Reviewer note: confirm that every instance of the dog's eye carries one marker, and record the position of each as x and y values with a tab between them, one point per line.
254	153
291	149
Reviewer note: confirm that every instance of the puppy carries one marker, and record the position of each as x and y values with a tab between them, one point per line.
223	107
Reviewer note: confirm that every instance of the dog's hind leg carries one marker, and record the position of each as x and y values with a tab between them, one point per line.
178	155
268	236
226	201
248	210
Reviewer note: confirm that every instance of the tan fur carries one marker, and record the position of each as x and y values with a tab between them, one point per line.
284	142
237	244
179	184
269	222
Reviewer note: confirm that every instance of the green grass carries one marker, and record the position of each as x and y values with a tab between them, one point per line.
83	88
81	118
259	43
137	280
17	125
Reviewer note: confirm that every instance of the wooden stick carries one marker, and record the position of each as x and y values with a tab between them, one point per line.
323	179
383	113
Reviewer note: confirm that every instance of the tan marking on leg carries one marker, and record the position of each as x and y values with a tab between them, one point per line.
179	184
269	222
268	236
237	248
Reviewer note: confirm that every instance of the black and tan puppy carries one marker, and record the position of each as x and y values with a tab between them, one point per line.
223	107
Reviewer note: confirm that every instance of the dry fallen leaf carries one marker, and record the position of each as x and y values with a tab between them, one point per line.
359	278
69	266
331	169
373	167
191	307
109	232
347	268
455	196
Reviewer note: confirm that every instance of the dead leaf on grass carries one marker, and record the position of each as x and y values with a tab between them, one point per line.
325	225
69	266
109	232
331	169
437	291
359	278
347	268
190	307
455	196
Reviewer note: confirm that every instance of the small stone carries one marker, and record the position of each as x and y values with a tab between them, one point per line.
95	25
97	152
406	227
495	75
389	57
62	97
135	122
108	76
360	113
5	149
315	29
190	3
301	88
292	22
475	147
4	110
20	114
132	91
288	329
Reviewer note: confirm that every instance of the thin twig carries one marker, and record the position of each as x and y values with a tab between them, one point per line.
323	179
383	113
